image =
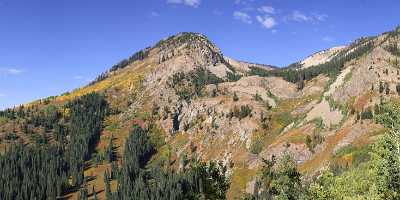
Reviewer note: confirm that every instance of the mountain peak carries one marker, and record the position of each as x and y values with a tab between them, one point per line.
184	37
188	39
195	45
189	44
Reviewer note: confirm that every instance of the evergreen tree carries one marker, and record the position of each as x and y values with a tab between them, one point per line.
235	97
109	151
36	172
94	193
87	114
107	185
83	194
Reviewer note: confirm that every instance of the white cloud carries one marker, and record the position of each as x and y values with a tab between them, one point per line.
191	3
299	16
14	71
245	5
2	95
267	9
320	17
274	31
11	71
244	2
266	21
242	16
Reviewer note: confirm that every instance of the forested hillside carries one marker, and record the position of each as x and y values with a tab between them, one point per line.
52	169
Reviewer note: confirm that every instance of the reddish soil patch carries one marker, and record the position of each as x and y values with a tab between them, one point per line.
362	101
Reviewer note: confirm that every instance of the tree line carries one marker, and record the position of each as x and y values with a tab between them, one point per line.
331	68
140	55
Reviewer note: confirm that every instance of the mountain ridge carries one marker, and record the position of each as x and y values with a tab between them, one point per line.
200	104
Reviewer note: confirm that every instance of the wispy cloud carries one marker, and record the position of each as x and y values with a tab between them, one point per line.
245	5
320	17
243	2
11	71
191	3
269	17
243	17
2	95
267	9
299	16
266	21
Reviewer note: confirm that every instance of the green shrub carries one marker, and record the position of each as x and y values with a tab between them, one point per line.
240	113
257	145
11	136
235	97
367	114
313	140
232	77
257	97
188	86
3	120
393	48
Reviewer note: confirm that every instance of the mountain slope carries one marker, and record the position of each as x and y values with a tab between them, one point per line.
200	104
321	57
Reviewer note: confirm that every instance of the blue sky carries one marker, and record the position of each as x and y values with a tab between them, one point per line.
48	47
